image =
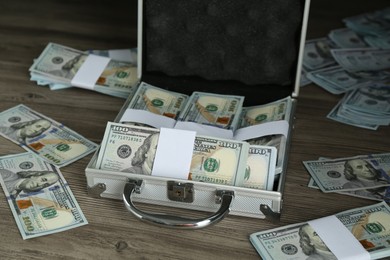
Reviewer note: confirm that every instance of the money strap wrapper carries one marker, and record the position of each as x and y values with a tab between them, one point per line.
339	239
174	153
90	71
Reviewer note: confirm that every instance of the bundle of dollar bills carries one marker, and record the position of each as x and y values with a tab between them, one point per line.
360	233
208	109
59	66
364	176
354	61
133	149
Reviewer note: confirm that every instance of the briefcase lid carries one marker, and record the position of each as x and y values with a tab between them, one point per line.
251	48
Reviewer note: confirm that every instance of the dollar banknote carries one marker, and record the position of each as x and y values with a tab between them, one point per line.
317	53
347	38
38	195
158	101
365	107
43	136
370	226
362	59
337	80
374	23
336	114
350	174
260	168
274	111
59	64
221	111
381	42
378	194
132	149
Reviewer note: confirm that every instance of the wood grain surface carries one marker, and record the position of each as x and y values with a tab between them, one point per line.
112	233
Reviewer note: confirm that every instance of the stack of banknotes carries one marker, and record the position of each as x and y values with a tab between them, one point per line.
354	61
252	161
364	176
360	233
38	195
58	66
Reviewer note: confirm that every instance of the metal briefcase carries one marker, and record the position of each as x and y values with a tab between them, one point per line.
250	48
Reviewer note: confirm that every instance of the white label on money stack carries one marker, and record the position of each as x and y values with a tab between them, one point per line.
174	153
90	71
339	239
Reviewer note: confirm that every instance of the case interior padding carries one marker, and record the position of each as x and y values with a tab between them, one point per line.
247	47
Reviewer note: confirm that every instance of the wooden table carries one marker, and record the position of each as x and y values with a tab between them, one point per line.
112	233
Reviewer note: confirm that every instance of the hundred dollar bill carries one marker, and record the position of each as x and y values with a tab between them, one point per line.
349	174
378	194
370	225
43	136
381	42
260	169
274	111
38	195
337	115
213	109
132	149
347	38
158	101
337	80
317	53
374	23
59	64
362	59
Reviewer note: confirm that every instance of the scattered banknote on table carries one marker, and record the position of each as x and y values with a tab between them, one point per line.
366	107
337	80
38	195
317	53
370	225
378	194
132	149
354	61
51	140
362	59
58	65
363	175
347	38
374	23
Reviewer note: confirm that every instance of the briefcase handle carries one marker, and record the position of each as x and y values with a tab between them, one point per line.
177	221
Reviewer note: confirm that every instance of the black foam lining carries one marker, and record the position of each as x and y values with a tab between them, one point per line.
243	47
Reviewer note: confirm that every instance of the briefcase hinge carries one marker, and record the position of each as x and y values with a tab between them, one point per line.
96	190
179	191
269	213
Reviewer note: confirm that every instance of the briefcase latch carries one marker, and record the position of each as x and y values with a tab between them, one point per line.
179	191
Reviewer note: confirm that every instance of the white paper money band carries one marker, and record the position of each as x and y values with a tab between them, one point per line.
205	129
174	153
90	71
339	239
280	127
146	117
